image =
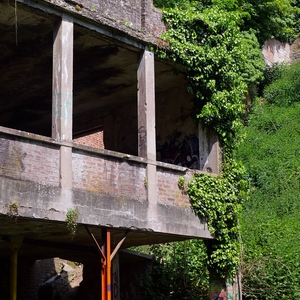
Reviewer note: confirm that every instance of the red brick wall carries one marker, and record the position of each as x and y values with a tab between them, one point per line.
108	175
168	191
29	160
93	140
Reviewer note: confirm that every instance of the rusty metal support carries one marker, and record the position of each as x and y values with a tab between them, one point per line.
106	259
108	265
106	268
118	246
103	258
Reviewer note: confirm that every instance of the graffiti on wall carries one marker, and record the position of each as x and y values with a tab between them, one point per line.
180	151
217	291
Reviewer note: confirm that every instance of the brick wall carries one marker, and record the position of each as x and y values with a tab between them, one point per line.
168	191
95	172
29	160
93	140
108	175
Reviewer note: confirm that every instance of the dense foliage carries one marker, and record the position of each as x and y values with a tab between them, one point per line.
266	18
218	44
271	223
174	275
219	199
220	61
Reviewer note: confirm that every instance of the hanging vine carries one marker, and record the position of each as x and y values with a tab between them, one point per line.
220	62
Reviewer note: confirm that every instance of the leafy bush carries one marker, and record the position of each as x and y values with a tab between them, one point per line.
270	220
179	272
285	90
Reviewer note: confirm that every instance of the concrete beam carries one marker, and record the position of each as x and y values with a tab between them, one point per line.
62	95
146	121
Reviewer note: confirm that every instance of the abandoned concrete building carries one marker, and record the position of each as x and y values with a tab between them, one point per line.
70	69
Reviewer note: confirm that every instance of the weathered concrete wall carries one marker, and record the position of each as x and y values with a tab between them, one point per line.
135	17
177	139
277	52
295	50
108	188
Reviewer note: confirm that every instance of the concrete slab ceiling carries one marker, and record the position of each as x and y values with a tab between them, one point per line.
46	239
104	72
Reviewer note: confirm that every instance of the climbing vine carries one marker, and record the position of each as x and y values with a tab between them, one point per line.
219	200
220	63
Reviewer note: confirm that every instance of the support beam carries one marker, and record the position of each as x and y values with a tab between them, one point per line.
62	95
118	246
106	267
146	106
146	120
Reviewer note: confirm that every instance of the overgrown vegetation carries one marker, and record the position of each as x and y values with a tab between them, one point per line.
71	220
218	44
220	62
270	222
174	275
265	18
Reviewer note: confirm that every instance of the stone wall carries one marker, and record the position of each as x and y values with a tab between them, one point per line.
277	52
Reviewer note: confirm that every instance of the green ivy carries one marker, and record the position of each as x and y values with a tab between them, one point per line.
219	200
220	62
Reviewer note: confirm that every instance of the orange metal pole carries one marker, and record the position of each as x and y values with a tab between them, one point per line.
108	265
104	265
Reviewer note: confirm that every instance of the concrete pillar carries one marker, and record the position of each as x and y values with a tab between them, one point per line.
146	106
62	81
146	6
209	150
62	95
146	120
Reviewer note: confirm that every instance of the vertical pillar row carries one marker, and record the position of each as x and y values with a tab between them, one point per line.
62	95
146	120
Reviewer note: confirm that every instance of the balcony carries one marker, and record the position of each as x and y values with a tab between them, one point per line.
93	77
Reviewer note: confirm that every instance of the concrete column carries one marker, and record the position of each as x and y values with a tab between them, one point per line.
62	95
209	150
146	119
62	80
146	106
